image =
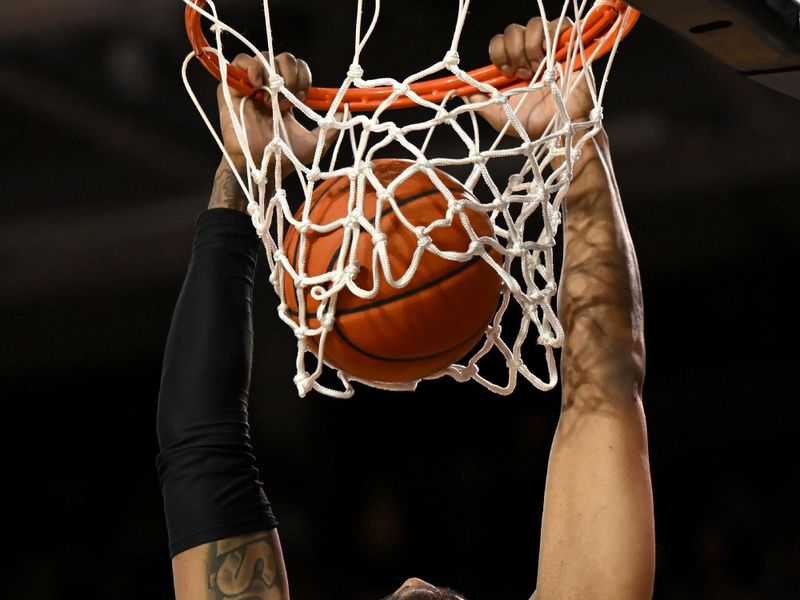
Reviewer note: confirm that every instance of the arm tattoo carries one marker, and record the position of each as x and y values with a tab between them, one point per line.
226	192
243	568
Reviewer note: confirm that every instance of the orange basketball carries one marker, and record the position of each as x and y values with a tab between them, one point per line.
407	333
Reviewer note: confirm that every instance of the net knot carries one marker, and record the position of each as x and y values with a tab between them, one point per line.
361	168
545	340
379	238
351	270
275	83
253	210
424	241
303	382
301	332
314	174
596	114
477	158
402	88
353	218
549	76
259	178
529	148
355	71
499	97
300	282
327	321
451	59
303	227
575	154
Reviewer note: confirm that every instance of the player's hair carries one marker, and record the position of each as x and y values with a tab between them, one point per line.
441	593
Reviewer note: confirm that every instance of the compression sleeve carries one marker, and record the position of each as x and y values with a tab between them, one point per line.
208	473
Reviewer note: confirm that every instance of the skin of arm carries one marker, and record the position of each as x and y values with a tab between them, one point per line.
236	568
226	191
249	566
598	540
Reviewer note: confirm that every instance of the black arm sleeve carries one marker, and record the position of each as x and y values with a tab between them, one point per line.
206	465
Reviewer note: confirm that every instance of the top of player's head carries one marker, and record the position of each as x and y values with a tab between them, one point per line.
417	589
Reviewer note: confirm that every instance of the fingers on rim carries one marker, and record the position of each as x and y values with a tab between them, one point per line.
296	77
250	66
303	78
497	53
514	39
286	66
534	42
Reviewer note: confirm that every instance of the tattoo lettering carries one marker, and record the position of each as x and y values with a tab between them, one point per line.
243	568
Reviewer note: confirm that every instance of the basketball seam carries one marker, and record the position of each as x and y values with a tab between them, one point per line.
368	354
407	293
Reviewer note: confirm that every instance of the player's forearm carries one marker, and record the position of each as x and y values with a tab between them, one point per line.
244	566
597	529
600	298
208	472
226	191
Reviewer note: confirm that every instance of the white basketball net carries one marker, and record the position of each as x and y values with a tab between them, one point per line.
524	208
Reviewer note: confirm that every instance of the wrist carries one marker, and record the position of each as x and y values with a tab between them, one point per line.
589	171
226	191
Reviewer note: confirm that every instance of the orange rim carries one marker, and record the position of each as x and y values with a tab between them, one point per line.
607	20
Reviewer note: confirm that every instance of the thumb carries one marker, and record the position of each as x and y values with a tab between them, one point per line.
494	114
304	142
332	133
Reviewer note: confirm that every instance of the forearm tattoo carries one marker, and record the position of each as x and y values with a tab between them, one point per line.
243	568
227	193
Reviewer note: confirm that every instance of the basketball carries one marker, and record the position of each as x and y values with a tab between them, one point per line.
401	334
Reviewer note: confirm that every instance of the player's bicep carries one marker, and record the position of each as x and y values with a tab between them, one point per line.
246	566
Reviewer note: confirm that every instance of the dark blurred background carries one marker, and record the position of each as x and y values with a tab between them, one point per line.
106	165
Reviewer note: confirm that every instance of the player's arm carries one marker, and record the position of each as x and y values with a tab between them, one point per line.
597	532
598	538
223	540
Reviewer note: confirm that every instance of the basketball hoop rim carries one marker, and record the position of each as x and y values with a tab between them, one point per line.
603	24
